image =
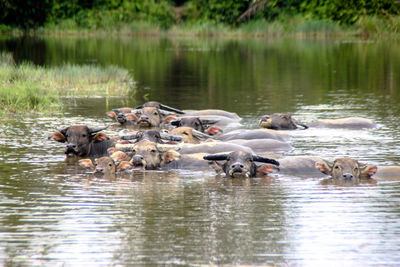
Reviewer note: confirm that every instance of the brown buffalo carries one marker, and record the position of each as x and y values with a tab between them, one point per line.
190	135
280	121
242	164
150	155
149	117
346	170
105	165
83	141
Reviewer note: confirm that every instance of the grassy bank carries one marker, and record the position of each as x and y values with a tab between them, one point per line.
366	26
26	87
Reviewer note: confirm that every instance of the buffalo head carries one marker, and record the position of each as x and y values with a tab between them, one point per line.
79	139
150	155
241	164
346	169
279	121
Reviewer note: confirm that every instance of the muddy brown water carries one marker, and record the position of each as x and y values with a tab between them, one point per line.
54	214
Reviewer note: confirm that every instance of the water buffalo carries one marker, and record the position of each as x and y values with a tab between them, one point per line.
83	141
105	165
150	155
217	112
254	134
387	173
151	135
196	124
190	135
240	164
262	145
160	106
346	170
212	148
123	115
280	121
348	123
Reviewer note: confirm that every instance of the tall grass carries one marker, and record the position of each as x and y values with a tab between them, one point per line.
27	87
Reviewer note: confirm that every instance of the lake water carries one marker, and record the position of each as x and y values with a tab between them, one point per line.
54	214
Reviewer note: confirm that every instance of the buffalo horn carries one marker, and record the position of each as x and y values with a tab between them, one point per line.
164	107
300	124
129	136
64	130
216	157
175	123
200	134
95	130
165	112
170	137
265	160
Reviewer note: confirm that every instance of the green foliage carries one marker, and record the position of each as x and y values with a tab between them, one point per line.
226	11
24	14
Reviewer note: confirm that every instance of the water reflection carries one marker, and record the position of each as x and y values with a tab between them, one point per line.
54	213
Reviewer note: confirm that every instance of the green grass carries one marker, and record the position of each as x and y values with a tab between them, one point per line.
26	87
299	25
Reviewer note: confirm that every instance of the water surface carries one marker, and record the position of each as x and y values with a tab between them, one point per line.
54	214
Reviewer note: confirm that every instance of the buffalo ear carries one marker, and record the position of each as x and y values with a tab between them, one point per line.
57	136
213	130
170	156
217	166
100	137
264	169
123	166
368	171
112	115
323	167
131	117
86	163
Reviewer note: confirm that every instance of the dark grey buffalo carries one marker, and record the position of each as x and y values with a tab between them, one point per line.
83	141
280	121
196	123
240	164
151	135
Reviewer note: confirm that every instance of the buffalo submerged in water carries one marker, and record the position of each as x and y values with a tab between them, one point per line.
83	141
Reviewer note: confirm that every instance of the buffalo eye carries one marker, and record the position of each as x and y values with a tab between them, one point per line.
84	135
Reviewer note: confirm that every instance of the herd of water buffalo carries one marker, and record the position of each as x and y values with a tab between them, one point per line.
155	136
